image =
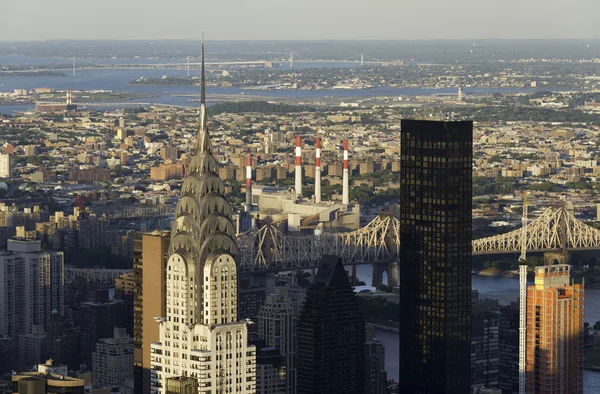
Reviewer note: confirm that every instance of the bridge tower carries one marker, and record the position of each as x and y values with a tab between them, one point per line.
553	258
73	66
391	269
291	60
362	59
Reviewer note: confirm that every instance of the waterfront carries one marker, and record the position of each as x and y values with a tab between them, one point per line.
505	290
118	81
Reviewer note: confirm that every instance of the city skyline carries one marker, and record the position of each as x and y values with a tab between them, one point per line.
288	20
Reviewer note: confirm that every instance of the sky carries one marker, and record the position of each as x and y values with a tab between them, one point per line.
298	19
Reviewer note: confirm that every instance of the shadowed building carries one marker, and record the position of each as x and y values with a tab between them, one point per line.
331	335
435	274
508	343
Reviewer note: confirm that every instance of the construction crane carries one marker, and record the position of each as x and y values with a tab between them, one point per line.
523	300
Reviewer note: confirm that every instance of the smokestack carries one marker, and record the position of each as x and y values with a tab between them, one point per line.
69	100
318	172
248	182
298	166
345	178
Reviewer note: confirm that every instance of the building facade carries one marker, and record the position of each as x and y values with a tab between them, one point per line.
113	360
98	320
508	342
435	274
31	287
554	332
149	265
485	352
375	374
276	328
331	335
200	334
5	165
270	370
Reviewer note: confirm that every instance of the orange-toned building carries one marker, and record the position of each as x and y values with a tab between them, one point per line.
150	257
166	172
554	332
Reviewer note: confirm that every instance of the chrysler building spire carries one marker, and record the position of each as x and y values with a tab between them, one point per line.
203	142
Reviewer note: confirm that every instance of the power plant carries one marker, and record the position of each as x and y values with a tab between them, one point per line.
290	210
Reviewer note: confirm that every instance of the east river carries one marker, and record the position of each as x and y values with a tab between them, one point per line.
505	290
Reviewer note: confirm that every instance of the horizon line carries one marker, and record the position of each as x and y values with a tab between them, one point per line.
311	39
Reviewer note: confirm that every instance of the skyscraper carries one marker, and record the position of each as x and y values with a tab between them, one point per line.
31	287
276	328
508	342
375	375
200	335
435	251
149	264
554	332
331	335
485	356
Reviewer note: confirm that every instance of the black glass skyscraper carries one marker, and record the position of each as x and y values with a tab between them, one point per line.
331	335
435	256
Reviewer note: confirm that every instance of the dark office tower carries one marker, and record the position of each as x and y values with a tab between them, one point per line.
508	341
98	320
331	335
435	256
484	342
375	375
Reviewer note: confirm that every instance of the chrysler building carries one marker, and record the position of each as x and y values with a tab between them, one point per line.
200	336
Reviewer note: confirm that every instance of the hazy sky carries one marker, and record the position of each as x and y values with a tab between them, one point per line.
298	19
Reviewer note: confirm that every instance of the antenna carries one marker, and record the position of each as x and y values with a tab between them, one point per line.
523	299
202	76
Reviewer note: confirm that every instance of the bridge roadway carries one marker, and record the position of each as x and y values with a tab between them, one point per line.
109	104
378	243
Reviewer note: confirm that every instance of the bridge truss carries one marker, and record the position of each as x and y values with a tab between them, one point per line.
103	276
267	248
555	229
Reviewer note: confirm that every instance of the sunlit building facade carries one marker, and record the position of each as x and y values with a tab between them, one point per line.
554	332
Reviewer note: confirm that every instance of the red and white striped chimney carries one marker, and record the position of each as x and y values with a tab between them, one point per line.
318	172
69	98
298	166
345	191
248	182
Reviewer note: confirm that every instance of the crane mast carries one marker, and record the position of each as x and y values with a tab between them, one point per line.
523	300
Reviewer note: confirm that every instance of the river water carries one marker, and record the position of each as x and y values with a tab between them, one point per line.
505	290
117	81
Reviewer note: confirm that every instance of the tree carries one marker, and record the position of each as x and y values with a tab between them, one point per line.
382	288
